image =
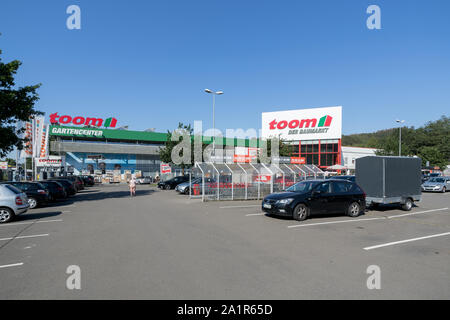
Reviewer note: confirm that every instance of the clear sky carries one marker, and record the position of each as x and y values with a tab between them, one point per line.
147	62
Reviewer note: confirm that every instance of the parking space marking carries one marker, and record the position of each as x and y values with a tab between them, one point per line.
24	237
67	211
254	214
407	240
22	223
333	222
12	265
414	213
231	207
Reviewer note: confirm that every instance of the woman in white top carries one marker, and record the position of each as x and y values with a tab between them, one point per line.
132	185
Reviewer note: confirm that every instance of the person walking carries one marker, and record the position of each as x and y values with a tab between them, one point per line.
132	185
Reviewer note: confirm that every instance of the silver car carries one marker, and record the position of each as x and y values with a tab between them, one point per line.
184	187
437	184
12	202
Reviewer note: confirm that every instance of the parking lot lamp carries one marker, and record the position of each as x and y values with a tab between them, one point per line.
214	93
400	137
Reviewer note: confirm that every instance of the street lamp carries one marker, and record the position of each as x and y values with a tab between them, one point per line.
400	137
214	93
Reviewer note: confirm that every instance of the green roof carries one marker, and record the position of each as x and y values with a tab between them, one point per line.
85	132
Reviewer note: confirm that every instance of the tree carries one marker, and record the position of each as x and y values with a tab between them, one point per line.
434	156
165	153
284	149
16	104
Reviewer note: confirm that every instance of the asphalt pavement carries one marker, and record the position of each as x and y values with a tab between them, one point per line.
161	245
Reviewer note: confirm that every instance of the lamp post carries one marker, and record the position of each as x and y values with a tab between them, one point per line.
400	137
214	94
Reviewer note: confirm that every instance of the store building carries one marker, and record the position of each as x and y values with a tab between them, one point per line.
314	134
88	150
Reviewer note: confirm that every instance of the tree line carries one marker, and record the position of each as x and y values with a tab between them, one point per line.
430	142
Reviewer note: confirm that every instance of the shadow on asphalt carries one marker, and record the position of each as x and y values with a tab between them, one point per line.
29	215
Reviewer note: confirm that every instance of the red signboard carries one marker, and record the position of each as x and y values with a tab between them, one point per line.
165	168
298	160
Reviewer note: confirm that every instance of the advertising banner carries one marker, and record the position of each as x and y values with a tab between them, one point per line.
304	124
28	134
3	165
44	143
165	168
37	137
51	161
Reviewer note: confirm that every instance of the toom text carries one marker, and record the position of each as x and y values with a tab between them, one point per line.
96	122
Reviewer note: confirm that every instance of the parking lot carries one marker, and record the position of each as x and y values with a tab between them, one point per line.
161	245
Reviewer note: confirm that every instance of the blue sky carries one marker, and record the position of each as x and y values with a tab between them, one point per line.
147	62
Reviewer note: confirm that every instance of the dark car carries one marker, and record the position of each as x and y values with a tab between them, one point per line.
172	183
88	180
37	194
56	189
316	197
349	178
77	181
68	186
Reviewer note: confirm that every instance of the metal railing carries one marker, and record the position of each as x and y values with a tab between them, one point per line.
245	181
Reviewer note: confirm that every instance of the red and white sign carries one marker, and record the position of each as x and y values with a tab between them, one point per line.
55	118
304	124
263	178
298	160
52	161
3	165
165	168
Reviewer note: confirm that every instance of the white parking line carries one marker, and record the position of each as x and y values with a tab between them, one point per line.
333	222
231	207
254	214
24	237
20	223
408	240
12	265
414	213
67	211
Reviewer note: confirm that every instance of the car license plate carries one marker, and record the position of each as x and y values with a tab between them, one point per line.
268	206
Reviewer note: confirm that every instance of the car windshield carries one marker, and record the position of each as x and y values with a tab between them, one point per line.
441	180
303	186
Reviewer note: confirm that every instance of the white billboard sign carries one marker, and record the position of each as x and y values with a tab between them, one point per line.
51	161
303	124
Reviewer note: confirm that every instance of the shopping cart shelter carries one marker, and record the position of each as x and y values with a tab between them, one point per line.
246	181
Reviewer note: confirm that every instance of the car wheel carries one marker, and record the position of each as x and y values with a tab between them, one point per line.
443	190
300	212
186	191
6	215
354	209
167	187
32	202
407	206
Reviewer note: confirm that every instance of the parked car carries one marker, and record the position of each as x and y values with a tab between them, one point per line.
77	181
172	183
56	189
68	185
437	184
349	178
12	202
316	197
144	180
88	180
186	186
36	193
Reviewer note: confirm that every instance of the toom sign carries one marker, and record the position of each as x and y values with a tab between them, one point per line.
304	124
85	121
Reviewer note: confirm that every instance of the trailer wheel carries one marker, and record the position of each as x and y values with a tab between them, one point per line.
407	206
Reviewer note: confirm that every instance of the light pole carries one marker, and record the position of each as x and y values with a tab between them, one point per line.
400	137
214	94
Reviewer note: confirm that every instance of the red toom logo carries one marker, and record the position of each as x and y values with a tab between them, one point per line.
325	121
55	118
